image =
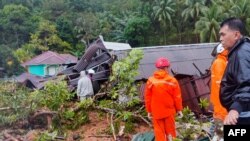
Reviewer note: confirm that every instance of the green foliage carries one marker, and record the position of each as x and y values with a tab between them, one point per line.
240	8
54	94
125	115
25	53
9	62
16	101
71	119
45	38
16	23
107	103
188	127
204	103
87	27
86	104
125	71
116	125
129	127
136	29
78	50
123	76
47	136
193	9
188	116
163	11
208	24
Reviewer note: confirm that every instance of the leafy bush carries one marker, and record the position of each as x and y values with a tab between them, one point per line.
53	96
15	103
123	75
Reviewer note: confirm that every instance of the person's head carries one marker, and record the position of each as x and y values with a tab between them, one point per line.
162	63
90	71
83	73
231	30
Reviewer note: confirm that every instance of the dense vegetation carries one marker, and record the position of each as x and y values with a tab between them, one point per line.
28	27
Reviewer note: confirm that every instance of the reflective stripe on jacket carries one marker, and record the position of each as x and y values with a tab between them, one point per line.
162	95
217	70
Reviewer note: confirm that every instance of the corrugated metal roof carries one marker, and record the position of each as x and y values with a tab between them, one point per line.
50	57
116	46
37	81
181	58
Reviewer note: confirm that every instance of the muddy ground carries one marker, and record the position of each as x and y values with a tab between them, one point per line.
95	130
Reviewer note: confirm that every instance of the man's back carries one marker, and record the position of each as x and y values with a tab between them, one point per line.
84	87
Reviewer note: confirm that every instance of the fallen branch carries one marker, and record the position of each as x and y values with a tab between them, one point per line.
47	114
100	136
133	114
112	126
60	138
106	109
41	113
9	108
121	131
98	95
140	116
142	107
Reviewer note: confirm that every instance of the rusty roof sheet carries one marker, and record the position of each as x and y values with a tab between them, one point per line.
37	81
50	57
181	58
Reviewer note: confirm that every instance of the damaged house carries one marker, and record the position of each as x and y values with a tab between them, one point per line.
41	68
190	64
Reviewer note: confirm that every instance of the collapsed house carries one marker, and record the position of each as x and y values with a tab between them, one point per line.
190	65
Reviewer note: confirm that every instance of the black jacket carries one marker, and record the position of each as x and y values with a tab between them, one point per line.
235	84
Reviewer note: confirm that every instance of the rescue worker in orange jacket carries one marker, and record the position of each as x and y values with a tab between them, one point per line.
217	71
162	100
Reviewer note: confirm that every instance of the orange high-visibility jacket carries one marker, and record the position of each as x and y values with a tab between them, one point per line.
217	70
162	95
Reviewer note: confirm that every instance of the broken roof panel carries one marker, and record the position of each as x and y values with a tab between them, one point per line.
34	81
182	58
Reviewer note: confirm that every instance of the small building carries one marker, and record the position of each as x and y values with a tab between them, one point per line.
48	63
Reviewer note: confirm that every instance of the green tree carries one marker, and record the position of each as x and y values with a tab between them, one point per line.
163	11
9	62
53	9
136	29
241	9
123	79
45	38
208	24
86	27
16	23
193	9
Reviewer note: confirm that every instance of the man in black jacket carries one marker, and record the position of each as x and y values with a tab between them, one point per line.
235	85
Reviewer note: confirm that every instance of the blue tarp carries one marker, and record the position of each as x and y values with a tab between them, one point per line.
147	136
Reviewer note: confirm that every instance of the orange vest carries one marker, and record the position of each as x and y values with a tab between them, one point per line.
162	95
217	70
